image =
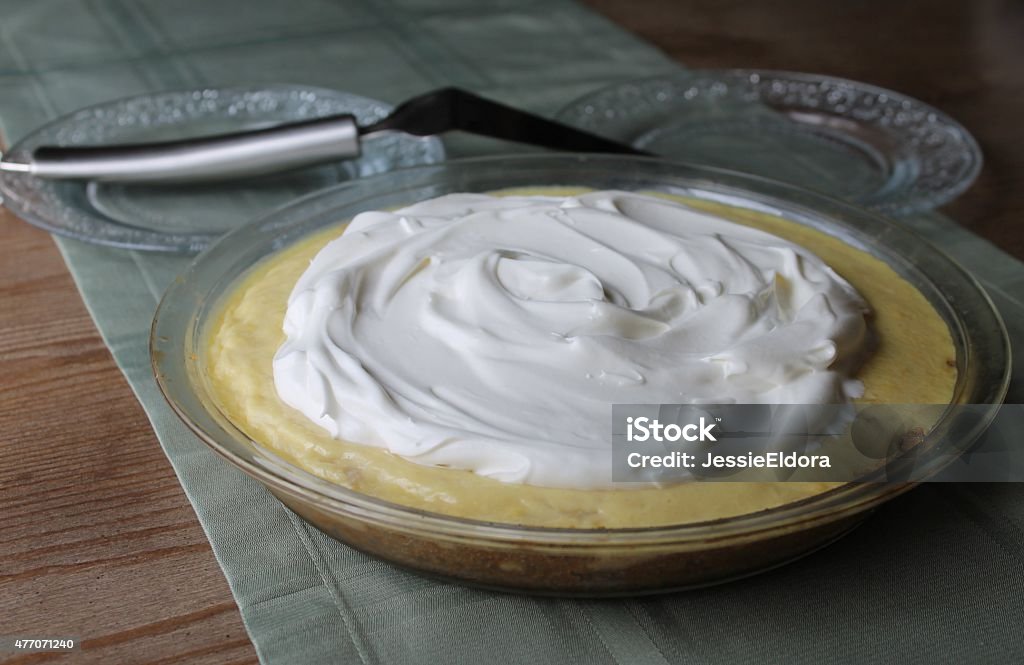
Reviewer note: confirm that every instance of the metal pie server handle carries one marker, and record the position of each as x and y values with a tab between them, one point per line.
236	155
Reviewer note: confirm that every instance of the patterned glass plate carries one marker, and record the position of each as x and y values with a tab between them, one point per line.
869	145
186	218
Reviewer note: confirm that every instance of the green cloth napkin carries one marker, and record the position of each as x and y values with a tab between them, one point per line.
935	576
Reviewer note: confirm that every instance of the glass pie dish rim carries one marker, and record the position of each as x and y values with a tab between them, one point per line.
174	340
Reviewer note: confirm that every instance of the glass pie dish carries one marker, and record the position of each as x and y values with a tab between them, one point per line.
568	561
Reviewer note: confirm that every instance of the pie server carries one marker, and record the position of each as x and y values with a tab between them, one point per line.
294	145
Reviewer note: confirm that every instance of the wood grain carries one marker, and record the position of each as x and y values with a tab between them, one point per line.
98	539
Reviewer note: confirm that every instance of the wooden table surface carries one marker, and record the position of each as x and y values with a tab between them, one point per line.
98	539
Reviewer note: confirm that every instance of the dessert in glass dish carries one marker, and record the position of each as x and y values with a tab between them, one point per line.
423	364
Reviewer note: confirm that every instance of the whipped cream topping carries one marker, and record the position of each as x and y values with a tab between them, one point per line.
493	333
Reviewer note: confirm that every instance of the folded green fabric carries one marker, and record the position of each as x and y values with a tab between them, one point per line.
936	576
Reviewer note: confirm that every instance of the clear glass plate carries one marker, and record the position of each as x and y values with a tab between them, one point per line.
854	141
186	218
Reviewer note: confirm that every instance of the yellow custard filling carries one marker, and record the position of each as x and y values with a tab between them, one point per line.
912	364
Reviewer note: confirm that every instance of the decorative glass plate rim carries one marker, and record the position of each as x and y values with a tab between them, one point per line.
900	201
178	324
151	240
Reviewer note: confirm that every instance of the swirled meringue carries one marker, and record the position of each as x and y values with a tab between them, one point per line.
493	334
